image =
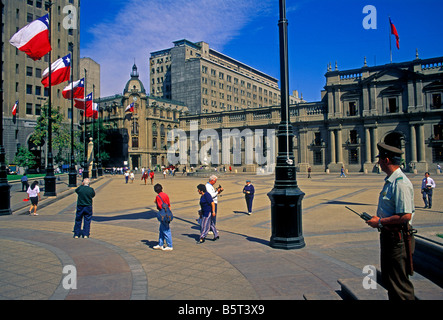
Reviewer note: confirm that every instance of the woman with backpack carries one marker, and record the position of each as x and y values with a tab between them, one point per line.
164	230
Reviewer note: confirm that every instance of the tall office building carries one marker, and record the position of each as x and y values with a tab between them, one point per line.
209	81
22	76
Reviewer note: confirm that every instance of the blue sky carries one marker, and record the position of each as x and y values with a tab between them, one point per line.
115	32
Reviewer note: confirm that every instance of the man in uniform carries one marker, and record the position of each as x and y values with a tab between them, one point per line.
394	215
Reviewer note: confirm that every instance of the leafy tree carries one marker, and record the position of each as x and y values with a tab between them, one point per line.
24	158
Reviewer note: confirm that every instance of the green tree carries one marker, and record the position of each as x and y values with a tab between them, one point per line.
24	158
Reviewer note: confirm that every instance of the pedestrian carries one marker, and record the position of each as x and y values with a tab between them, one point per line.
309	172
126	176
439	167
164	230
131	176
342	172
427	187
394	215
214	192
151	175
208	213
84	210
34	195
25	184
145	176
249	191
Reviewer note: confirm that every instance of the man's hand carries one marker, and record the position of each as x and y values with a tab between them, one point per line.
373	222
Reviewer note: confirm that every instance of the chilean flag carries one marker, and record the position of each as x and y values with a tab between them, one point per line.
75	89
14	108
92	112
130	108
60	71
395	33
33	39
83	104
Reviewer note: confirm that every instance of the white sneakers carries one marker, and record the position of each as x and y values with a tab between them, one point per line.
157	247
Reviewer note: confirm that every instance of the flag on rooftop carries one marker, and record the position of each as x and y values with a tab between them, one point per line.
395	33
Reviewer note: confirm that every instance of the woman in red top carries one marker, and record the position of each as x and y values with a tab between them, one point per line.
164	230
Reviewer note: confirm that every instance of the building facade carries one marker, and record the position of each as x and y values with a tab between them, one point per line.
208	81
359	108
139	138
22	75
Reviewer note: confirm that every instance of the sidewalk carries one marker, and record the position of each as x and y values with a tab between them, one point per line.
118	261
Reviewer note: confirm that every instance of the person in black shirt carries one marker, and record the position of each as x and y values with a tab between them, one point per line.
84	209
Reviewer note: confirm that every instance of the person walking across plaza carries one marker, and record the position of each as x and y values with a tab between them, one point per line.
249	192
427	188
25	184
394	215
165	234
84	210
214	192
207	206
34	195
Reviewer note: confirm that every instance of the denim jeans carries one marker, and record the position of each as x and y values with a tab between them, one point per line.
165	234
83	214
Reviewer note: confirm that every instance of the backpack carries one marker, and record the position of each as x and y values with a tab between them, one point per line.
165	213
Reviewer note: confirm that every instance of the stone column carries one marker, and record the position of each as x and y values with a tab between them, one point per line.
332	146
339	146
421	143
374	142
413	143
368	145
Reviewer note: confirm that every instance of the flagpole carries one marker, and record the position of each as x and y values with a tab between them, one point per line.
390	39
85	156
72	171
94	166
5	188
50	185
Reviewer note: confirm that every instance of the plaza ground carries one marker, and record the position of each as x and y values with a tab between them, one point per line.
118	261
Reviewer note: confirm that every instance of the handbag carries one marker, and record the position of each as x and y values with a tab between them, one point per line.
165	213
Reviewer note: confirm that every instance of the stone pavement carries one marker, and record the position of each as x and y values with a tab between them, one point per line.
118	261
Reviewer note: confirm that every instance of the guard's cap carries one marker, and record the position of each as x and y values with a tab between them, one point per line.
386	150
248	180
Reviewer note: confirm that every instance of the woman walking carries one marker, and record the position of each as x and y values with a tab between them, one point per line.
207	214
34	195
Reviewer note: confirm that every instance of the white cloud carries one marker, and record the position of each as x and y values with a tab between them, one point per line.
145	26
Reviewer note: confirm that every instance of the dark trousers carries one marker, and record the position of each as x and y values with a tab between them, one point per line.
83	214
427	197
393	266
249	200
25	186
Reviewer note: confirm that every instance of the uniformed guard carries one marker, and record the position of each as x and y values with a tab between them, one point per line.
394	215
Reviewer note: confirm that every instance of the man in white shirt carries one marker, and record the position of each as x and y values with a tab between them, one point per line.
427	187
214	194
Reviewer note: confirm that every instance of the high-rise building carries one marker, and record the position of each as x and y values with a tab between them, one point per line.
209	81
22	75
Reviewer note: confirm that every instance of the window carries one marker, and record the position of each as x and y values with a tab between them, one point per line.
318	157
29	108
38	72
392	105
135	142
353	137
29	71
438	132
38	90
352	109
437	154
436	101
38	109
317	139
29	17
29	89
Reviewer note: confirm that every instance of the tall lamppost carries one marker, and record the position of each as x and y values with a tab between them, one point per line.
5	188
94	166
72	171
50	185
286	197
85	136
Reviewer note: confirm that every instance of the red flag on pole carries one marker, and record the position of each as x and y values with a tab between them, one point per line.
395	33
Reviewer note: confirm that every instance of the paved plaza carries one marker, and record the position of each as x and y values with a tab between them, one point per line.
119	262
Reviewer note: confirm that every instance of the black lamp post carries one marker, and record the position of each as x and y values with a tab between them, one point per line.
72	171
85	135
286	197
5	188
94	160
50	185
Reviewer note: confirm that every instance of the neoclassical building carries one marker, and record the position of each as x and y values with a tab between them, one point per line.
359	107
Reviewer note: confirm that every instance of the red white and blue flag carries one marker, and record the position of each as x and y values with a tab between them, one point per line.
14	108
33	39
130	108
75	89
93	111
395	33
83	104
60	71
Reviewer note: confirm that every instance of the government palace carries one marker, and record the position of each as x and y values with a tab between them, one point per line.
196	90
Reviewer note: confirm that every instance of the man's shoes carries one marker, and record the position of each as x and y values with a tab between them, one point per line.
201	240
167	249
157	247
75	237
216	238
